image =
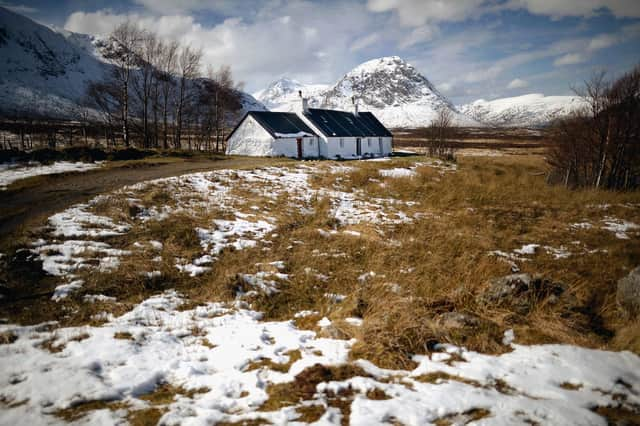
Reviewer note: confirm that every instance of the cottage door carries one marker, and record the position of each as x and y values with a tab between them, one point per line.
380	145
299	142
358	147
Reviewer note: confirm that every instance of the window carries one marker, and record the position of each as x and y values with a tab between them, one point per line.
310	142
369	142
341	143
379	140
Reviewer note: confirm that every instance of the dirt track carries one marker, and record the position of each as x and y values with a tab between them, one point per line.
31	206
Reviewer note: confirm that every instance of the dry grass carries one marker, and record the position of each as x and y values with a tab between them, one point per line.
293	355
7	337
467	417
81	409
436	265
303	388
158	399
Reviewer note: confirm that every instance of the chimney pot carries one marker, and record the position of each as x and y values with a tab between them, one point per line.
300	93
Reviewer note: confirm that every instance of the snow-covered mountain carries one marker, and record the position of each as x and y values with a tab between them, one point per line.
282	94
45	71
533	110
389	87
42	72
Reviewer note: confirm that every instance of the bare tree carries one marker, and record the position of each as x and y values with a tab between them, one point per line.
439	133
224	98
104	97
165	79
599	145
147	58
120	50
188	69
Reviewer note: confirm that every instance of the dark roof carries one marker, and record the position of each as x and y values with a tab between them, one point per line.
277	123
342	123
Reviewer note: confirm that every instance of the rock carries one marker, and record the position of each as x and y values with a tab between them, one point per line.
507	287
458	320
521	291
333	332
628	293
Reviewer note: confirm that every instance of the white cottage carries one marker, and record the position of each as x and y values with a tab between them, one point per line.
313	133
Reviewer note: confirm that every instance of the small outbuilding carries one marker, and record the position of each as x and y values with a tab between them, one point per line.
312	133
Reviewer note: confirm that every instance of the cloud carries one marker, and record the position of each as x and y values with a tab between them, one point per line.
302	40
173	7
570	59
418	12
517	83
603	41
97	23
176	27
19	8
364	42
419	35
585	8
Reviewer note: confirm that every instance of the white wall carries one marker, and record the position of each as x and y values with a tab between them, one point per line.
387	143
250	139
288	147
350	151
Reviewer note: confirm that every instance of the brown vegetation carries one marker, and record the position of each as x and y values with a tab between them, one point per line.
426	272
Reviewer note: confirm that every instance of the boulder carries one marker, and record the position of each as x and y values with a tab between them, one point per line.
458	320
628	293
521	291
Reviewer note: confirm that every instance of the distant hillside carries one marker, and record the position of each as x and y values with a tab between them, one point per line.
533	110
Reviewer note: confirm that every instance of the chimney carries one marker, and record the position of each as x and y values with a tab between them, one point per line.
355	106
305	102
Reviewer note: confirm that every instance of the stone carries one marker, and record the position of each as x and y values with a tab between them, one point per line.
628	293
458	320
521	291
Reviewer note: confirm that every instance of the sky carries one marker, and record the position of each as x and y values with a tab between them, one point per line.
470	49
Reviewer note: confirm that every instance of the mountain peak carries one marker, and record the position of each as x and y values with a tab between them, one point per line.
283	85
384	82
384	64
389	87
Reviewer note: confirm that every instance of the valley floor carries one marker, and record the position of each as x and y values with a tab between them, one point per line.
330	292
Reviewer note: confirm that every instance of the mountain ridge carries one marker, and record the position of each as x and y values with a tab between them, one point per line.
400	96
47	70
529	110
389	87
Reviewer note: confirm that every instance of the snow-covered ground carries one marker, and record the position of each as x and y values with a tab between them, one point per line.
74	238
10	173
216	355
155	343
